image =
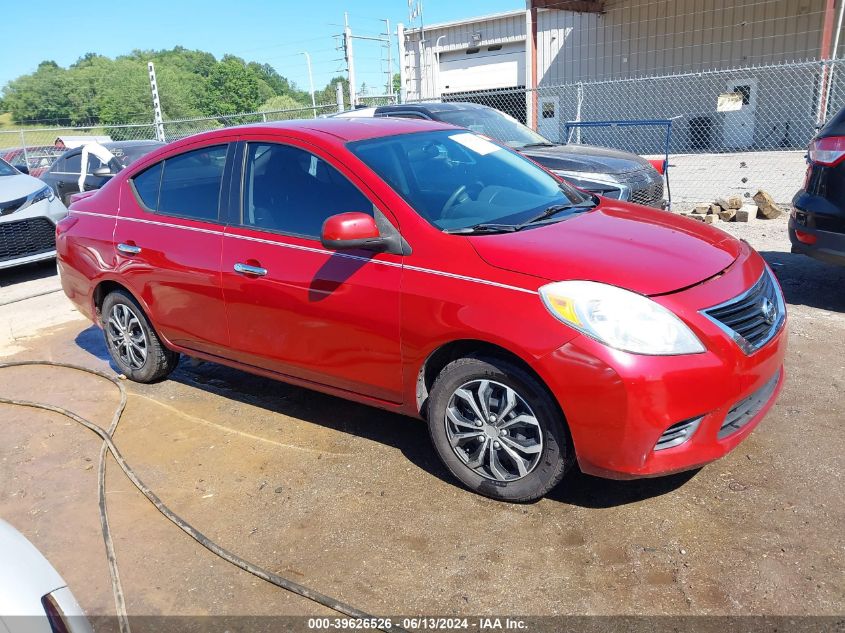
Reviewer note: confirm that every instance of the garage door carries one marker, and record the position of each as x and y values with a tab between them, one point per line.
484	68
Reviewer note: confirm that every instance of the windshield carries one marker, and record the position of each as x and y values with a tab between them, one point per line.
6	169
128	155
457	179
494	124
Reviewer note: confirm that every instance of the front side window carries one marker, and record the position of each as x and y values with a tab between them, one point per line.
186	185
456	179
289	190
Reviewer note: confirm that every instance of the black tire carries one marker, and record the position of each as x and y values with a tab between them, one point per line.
158	361
556	455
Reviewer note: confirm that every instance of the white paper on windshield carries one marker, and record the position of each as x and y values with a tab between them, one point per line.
475	143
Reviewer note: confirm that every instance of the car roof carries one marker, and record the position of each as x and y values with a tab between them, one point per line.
117	145
344	129
432	107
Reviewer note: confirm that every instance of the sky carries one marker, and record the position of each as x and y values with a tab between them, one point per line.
271	31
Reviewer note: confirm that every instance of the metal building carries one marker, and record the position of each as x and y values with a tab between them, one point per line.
512	59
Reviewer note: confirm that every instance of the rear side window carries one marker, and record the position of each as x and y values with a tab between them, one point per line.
147	184
186	185
72	164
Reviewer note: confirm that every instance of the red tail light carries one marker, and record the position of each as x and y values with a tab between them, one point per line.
828	151
804	237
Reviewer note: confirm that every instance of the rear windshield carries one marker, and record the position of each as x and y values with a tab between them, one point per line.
128	155
836	126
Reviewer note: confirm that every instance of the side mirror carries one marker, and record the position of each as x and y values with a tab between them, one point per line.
352	230
22	168
102	172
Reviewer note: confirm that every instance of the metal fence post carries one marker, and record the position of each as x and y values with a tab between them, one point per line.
338	95
23	147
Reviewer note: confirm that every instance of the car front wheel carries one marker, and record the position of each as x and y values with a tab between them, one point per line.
498	430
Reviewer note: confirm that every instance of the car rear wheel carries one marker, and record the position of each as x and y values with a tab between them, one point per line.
131	340
498	430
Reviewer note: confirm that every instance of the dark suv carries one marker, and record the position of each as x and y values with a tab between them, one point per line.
608	172
817	224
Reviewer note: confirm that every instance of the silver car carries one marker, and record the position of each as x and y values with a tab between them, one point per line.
33	597
29	211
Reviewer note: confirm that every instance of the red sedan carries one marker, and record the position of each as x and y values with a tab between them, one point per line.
424	269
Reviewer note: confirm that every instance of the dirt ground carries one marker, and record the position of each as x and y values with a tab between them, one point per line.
353	502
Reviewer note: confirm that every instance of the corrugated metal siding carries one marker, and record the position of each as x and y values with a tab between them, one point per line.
503	29
654	37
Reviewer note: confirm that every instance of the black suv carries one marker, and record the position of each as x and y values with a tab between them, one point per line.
607	172
817	223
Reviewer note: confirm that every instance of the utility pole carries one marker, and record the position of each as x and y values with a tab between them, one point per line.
403	68
310	82
159	119
389	58
350	61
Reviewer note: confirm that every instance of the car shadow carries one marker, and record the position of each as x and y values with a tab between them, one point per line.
27	272
807	281
408	435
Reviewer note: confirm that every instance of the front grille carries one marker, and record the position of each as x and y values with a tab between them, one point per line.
23	238
754	317
745	410
11	206
646	187
677	434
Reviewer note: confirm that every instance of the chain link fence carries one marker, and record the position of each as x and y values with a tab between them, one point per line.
713	153
38	148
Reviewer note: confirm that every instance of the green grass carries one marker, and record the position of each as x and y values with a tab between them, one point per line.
10	132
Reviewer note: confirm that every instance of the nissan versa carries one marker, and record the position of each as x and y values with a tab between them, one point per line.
424	269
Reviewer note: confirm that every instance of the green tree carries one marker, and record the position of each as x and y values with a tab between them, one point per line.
40	96
285	107
327	94
232	88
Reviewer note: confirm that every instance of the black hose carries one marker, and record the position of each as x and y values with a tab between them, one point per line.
190	530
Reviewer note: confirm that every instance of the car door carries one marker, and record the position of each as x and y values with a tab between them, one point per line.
168	237
66	175
294	307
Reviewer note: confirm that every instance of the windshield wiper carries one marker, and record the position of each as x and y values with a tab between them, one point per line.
541	144
554	210
482	228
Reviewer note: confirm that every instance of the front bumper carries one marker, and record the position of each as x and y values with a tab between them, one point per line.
618	405
28	235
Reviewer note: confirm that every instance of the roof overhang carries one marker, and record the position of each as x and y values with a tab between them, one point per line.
579	6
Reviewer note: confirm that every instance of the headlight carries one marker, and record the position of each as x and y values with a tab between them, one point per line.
45	193
619	318
595	183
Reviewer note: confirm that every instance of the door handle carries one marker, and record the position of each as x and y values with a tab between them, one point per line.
246	269
129	249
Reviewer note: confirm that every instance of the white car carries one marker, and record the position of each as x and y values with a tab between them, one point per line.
29	211
33	597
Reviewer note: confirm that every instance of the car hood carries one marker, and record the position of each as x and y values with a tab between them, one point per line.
649	252
18	186
586	158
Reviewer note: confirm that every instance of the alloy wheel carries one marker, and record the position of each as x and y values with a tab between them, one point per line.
126	336
493	431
